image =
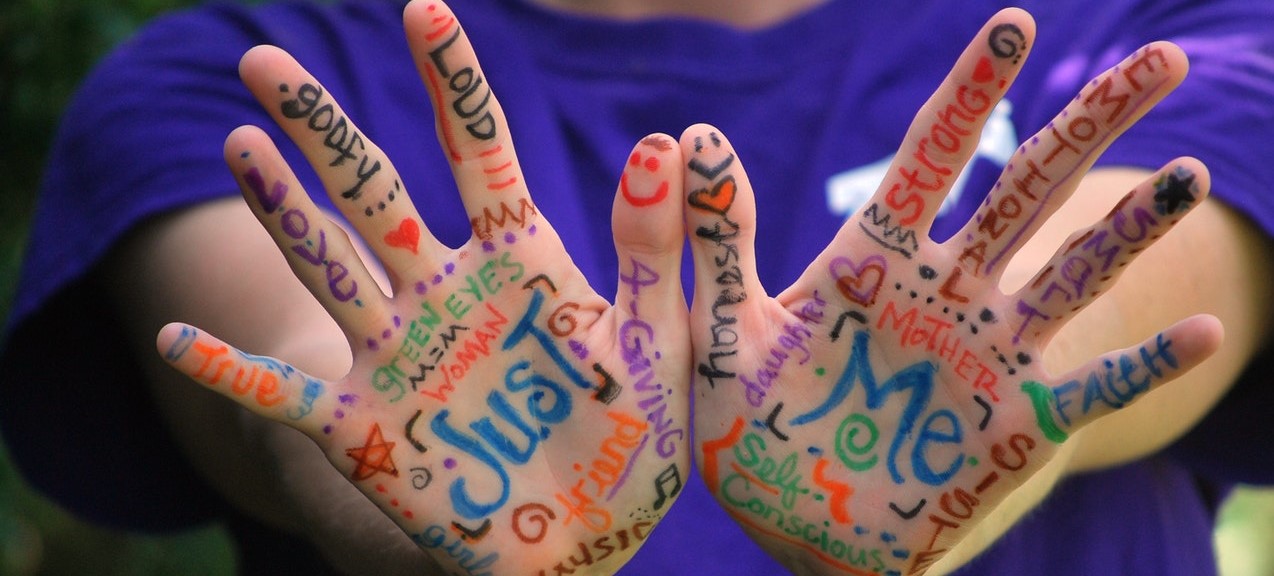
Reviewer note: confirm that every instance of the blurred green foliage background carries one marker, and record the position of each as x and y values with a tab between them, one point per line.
46	47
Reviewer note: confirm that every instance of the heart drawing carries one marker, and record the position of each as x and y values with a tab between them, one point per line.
859	282
406	236
717	200
984	72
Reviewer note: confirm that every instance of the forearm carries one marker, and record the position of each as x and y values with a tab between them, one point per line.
181	267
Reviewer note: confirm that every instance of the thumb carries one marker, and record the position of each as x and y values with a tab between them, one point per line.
647	223
721	221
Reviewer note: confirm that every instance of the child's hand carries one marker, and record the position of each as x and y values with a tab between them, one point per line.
507	417
864	420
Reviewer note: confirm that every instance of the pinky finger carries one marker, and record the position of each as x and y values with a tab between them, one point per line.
1092	259
1117	379
266	386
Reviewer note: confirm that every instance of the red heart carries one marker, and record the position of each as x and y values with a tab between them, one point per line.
717	200
984	72
406	236
859	282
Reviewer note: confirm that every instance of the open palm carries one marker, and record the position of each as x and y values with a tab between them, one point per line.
501	412
864	420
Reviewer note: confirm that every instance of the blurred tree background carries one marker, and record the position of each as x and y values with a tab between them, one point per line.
46	47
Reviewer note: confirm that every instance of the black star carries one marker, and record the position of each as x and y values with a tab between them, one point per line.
1171	195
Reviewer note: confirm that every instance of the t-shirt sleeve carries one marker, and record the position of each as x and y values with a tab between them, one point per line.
1223	111
1222	114
142	136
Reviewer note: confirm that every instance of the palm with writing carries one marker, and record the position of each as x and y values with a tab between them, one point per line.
864	420
501	412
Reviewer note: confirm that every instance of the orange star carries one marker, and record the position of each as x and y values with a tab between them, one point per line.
373	457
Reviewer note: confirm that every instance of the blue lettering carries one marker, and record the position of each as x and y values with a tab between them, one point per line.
916	379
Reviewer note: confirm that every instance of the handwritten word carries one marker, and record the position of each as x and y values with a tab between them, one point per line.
1032	187
795	529
773	476
522	216
1114	385
489	279
792	341
435	537
716	199
958	505
757	477
297	227
634	336
474	348
420	332
313	388
935	334
1094	257
600	549
811	310
339	136
938	428
951	131
472	94
607	473
548	403
218	364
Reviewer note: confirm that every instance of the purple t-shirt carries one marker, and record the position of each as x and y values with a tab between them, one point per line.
815	106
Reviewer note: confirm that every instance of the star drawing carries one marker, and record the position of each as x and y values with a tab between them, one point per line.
1173	191
373	456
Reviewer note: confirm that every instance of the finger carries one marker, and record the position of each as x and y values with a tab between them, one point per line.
318	251
653	325
649	234
1118	379
1091	260
721	220
1047	169
945	132
471	125
266	386
359	178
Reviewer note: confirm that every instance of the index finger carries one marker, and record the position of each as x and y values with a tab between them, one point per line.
361	181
